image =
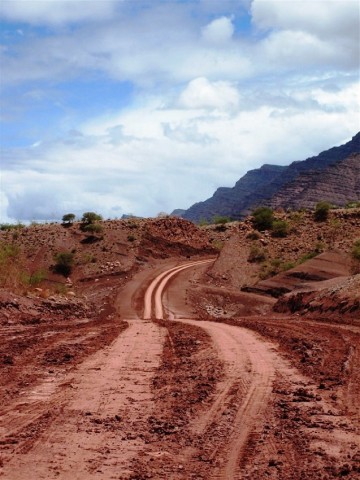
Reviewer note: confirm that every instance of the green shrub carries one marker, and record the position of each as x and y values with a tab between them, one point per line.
308	256
257	254
92	228
11	226
287	266
253	235
64	263
355	252
352	204
321	213
280	228
263	218
217	244
220	220
202	222
35	278
10	265
131	238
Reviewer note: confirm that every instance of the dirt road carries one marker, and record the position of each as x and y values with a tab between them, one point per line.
177	400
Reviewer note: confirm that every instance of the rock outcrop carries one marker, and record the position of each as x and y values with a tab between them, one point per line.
332	175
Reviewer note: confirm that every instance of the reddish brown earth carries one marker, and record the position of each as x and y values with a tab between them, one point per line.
194	380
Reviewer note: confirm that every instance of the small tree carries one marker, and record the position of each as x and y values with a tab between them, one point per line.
91	217
263	218
322	211
68	218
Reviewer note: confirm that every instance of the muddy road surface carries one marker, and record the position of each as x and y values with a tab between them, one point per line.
172	397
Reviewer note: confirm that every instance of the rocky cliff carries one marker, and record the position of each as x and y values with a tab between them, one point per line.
332	175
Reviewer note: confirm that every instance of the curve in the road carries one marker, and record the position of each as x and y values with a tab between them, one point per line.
158	285
247	359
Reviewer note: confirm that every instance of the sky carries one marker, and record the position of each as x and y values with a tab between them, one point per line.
144	106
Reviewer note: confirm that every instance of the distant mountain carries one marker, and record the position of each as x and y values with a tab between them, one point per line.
333	175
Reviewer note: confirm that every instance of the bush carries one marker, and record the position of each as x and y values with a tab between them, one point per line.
355	253
131	238
257	254
263	218
92	228
220	220
64	263
11	226
35	278
352	204
280	228
217	244
202	222
322	211
253	235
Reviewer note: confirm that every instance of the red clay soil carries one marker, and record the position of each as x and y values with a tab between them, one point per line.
223	388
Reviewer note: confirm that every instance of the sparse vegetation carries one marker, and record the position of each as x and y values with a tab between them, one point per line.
203	222
9	265
92	228
273	267
35	278
263	218
352	204
64	263
280	228
220	220
217	244
254	235
322	210
257	254
11	226
131	238
355	253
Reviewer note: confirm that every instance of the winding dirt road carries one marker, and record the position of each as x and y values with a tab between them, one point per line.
93	421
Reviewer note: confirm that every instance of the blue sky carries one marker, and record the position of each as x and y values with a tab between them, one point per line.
142	106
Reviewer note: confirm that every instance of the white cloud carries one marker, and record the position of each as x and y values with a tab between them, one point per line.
169	157
56	12
329	27
201	93
326	18
207	102
219	31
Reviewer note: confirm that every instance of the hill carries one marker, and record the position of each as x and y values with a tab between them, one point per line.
301	184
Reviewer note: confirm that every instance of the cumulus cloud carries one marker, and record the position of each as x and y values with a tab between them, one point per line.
201	93
209	99
315	30
218	31
177	157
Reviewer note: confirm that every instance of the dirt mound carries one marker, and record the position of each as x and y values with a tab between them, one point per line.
168	236
325	266
247	256
340	300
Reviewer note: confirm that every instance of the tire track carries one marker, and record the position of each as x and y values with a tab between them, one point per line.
248	360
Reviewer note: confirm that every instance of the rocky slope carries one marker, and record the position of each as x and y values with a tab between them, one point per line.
302	183
337	184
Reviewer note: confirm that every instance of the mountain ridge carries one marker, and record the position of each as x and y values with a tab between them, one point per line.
260	186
